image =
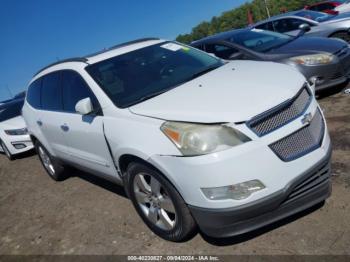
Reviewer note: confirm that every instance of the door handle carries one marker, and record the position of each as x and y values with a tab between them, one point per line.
39	123
65	127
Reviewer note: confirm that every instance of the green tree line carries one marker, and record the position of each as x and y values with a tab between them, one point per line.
238	17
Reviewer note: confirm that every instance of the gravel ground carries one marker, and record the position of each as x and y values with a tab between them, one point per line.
85	215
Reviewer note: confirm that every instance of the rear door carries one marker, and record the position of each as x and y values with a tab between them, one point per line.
84	135
50	115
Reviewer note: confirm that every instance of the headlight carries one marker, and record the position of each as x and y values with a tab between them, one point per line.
17	132
235	192
200	139
311	60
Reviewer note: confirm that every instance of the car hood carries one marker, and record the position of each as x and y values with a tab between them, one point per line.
304	45
13	123
234	92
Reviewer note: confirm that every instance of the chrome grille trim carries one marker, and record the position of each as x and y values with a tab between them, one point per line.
301	142
282	114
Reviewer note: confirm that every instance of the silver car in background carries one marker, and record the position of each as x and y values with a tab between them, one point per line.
320	24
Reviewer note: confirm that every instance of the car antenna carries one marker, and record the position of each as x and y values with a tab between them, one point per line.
9	90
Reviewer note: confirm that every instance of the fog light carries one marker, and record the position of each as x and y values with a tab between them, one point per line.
19	146
237	192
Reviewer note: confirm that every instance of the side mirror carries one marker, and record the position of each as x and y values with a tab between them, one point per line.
305	28
84	106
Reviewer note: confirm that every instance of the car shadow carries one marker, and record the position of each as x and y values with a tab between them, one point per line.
331	91
100	182
256	233
26	154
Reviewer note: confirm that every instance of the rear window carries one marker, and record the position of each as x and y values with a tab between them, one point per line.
34	94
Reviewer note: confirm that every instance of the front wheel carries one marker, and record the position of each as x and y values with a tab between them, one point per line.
159	204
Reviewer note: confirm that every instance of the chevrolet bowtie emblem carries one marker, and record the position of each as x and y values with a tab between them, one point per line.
306	120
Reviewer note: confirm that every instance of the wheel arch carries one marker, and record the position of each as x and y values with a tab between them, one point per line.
338	31
126	159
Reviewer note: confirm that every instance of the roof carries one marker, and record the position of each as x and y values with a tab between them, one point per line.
91	57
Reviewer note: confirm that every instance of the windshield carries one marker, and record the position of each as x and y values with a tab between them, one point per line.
316	16
10	110
133	77
260	40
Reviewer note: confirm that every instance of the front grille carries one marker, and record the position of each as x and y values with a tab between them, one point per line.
302	141
280	115
318	177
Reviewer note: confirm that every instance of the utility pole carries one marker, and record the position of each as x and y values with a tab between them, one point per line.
267	9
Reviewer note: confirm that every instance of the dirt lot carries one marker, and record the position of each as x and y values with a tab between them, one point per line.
84	215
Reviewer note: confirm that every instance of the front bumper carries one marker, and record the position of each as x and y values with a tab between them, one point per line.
331	75
18	144
306	191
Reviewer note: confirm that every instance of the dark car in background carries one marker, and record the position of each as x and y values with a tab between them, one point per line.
320	24
325	7
325	62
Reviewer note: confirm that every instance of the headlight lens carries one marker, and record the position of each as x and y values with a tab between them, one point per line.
236	192
200	139
317	59
17	132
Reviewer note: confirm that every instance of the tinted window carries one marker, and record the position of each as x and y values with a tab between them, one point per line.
139	75
316	16
288	24
51	93
11	109
267	26
221	51
34	94
259	40
75	89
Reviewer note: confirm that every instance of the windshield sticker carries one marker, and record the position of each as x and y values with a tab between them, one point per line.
172	47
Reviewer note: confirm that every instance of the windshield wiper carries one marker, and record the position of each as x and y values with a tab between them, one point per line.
147	97
200	73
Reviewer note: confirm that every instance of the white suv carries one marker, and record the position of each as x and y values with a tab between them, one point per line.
229	147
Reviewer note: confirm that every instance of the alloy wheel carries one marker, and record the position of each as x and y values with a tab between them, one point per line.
154	201
46	160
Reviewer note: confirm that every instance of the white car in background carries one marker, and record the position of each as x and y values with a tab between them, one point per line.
227	146
343	8
14	138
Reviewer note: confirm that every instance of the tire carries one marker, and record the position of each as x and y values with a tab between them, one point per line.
6	151
50	164
160	206
342	35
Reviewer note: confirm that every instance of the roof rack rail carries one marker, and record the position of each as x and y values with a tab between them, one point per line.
74	59
124	44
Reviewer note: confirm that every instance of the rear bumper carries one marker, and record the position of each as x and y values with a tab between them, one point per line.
308	190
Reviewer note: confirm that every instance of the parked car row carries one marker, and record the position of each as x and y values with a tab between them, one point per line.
316	44
227	139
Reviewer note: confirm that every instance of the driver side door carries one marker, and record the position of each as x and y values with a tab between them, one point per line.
84	134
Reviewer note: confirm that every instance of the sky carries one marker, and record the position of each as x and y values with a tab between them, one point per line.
35	33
